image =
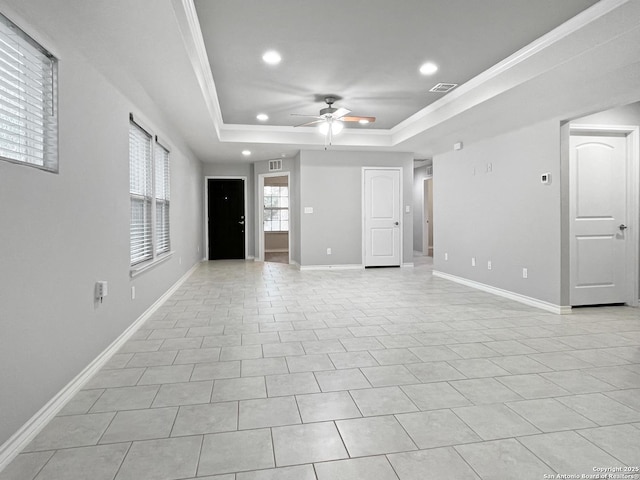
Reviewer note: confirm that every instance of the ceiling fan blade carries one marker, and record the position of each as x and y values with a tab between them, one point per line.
341	112
309	123
302	115
358	119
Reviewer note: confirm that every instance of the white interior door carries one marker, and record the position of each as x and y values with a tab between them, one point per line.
382	217
598	212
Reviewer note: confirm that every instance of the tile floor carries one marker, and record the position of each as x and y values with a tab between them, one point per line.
260	372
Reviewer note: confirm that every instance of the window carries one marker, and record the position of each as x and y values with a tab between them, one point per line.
28	103
276	209
162	198
149	193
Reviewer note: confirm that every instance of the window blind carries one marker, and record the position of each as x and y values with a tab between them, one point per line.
141	192
162	197
28	109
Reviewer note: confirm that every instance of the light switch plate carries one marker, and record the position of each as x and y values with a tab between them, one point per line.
308	209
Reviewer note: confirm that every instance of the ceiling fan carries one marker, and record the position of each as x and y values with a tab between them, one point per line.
330	121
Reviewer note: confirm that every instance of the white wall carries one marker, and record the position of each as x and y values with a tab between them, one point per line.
276	242
507	215
331	183
624	115
60	233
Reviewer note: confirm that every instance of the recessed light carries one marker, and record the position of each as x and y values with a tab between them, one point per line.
272	57
428	68
246	153
263	117
363	121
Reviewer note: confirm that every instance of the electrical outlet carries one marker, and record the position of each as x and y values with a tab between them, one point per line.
489	265
180	261
328	251
473	261
525	273
133	292
101	290
489	167
446	256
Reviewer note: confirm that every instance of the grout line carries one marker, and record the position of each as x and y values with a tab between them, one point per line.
115	413
534	454
123	459
465	461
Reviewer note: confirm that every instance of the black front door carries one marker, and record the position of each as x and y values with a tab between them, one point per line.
226	219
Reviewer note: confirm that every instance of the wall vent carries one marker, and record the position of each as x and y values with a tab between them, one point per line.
275	165
443	87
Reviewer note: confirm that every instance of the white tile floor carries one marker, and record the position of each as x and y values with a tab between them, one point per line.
258	371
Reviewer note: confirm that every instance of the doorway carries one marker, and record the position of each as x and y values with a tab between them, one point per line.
226	218
603	215
427	234
382	232
274	218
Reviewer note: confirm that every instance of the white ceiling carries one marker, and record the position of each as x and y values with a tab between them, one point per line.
518	62
366	51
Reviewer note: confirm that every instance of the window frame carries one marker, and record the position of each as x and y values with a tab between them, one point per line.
156	146
271	209
49	100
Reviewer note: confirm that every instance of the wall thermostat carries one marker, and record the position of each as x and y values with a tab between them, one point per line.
545	178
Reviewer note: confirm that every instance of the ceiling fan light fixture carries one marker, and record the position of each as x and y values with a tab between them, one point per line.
336	127
428	68
324	128
271	57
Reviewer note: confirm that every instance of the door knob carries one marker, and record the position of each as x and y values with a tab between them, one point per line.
622	227
241	223
397	223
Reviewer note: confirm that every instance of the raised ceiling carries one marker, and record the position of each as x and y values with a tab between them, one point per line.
366	51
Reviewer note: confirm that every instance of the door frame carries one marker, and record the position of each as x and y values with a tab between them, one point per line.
427	227
206	211
632	133
260	209
400	170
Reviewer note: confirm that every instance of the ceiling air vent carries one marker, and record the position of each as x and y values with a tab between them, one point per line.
444	87
275	165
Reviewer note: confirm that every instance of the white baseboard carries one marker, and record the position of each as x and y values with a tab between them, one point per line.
407	265
251	257
331	267
533	302
276	250
19	440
